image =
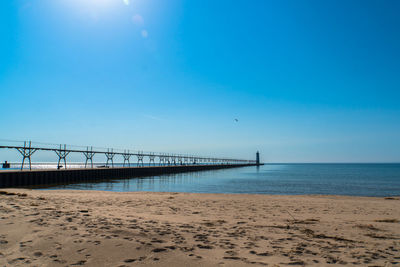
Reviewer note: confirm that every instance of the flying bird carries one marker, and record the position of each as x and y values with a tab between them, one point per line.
236	120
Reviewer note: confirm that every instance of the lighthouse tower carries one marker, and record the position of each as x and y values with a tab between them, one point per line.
258	158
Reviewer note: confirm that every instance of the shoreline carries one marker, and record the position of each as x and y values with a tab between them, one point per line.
103	228
389	197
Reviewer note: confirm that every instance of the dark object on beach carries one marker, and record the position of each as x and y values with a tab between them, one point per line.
103	166
6	165
59	167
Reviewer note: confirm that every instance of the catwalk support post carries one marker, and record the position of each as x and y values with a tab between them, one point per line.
126	156
110	157
89	155
62	154
26	153
140	159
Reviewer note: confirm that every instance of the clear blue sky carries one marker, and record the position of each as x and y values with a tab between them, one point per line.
308	81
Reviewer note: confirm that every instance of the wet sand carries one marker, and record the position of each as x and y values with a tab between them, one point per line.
91	228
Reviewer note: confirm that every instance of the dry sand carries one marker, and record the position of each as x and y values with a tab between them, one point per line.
64	228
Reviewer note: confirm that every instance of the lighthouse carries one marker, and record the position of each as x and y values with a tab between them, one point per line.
258	158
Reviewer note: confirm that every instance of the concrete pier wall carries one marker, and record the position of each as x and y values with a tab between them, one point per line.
13	178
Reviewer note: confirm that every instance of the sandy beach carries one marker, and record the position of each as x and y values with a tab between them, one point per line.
92	228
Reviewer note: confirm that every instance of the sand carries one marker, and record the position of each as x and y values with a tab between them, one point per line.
91	228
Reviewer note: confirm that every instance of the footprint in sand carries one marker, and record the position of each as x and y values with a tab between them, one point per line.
37	254
205	246
232	258
80	250
82	262
264	254
159	250
15	260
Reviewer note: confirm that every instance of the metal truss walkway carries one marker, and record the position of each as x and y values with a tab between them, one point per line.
154	158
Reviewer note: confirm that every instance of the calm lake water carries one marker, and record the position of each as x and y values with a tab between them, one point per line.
287	179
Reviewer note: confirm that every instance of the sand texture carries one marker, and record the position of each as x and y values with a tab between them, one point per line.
69	228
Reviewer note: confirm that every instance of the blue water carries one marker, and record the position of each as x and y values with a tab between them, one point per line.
287	179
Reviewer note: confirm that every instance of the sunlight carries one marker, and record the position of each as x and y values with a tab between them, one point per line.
99	5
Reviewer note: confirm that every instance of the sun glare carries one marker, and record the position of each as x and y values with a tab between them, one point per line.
98	5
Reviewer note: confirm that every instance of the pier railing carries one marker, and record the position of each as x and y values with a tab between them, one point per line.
28	148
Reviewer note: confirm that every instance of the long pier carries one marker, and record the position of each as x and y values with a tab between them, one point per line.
16	178
158	163
27	150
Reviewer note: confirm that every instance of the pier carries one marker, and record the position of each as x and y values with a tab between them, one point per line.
147	164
